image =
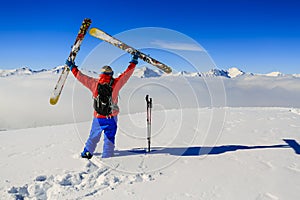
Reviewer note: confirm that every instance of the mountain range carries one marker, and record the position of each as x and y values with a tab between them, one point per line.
146	72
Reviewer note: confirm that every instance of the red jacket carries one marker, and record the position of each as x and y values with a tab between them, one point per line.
92	83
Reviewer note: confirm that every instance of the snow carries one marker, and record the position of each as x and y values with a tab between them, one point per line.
235	72
274	74
212	138
149	72
21	71
215	72
145	72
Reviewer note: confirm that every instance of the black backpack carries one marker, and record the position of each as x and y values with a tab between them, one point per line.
103	102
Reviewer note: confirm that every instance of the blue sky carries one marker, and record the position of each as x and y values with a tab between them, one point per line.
256	36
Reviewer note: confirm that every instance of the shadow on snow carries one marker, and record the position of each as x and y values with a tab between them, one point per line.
198	151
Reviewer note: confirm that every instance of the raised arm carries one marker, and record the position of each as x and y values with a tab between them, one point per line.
87	81
123	78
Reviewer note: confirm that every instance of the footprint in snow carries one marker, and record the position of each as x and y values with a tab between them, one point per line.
41	178
267	196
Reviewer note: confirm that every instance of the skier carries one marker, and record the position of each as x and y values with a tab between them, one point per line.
105	117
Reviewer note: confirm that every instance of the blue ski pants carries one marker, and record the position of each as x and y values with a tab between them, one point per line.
109	127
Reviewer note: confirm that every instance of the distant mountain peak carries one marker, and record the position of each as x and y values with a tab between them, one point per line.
235	72
275	74
145	72
57	69
215	72
19	71
189	74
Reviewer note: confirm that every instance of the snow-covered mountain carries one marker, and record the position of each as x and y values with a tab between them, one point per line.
57	70
275	74
186	74
235	72
19	71
150	72
215	72
146	72
27	71
230	73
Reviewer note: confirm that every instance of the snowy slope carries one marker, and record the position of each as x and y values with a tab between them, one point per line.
254	156
212	138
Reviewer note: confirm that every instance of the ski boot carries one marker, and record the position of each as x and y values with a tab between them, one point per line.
86	154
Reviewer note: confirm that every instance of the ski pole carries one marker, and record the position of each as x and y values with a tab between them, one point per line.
149	107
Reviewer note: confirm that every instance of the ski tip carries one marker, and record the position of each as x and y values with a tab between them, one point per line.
93	31
168	71
54	100
87	20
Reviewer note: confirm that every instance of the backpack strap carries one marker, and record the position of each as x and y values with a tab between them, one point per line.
111	82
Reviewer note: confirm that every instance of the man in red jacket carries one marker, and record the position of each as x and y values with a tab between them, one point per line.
105	91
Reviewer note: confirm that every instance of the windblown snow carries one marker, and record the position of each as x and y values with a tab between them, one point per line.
215	135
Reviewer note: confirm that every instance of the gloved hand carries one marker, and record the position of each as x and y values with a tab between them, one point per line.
71	64
135	58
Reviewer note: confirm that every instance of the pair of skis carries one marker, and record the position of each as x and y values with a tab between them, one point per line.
107	38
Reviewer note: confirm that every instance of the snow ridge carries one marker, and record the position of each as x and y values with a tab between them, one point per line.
215	72
235	72
146	72
275	74
20	71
